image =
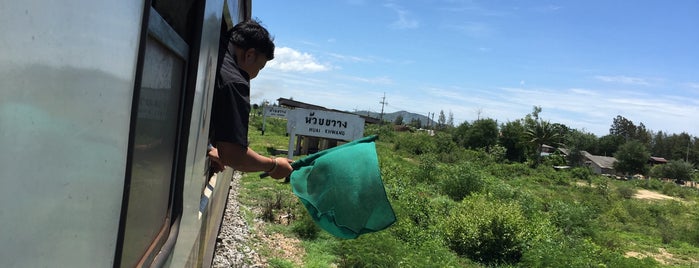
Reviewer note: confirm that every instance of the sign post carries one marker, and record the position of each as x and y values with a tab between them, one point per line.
272	111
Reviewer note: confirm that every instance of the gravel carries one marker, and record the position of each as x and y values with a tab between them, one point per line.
232	241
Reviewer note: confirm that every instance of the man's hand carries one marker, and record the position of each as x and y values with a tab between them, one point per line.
283	168
216	164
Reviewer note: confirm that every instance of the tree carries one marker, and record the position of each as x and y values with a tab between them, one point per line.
659	145
450	120
416	123
483	133
642	134
679	145
678	170
460	134
609	144
530	120
542	133
623	127
632	158
441	121
562	131
693	152
398	120
513	139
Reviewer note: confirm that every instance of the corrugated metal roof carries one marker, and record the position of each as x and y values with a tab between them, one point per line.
658	159
601	161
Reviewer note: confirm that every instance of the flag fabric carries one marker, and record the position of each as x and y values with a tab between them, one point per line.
342	189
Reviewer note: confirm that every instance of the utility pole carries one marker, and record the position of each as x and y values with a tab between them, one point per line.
427	125
383	102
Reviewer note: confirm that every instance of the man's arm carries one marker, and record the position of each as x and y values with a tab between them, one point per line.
246	160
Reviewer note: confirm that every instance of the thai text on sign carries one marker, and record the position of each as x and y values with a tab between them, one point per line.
325	124
276	111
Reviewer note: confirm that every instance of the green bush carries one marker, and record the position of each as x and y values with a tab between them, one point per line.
487	231
458	181
415	144
553	160
650	184
571	218
385	132
372	250
305	227
561	251
639	213
427	168
582	173
626	191
417	214
510	171
671	189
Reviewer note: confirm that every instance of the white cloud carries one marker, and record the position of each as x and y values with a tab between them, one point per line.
349	58
585	92
290	60
624	80
692	85
405	20
383	80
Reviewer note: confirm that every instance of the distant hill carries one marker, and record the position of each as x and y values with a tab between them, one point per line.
391	117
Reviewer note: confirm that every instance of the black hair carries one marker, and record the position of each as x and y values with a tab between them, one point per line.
250	34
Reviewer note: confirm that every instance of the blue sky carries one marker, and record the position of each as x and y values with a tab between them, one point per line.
583	62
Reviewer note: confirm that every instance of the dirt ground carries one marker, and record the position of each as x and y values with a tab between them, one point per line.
646	194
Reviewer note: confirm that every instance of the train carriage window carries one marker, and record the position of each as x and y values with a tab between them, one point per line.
155	138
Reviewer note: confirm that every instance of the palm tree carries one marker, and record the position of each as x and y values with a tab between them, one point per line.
542	132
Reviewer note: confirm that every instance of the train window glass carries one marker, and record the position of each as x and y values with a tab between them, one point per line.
153	149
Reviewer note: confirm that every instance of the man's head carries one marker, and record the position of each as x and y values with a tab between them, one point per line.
253	46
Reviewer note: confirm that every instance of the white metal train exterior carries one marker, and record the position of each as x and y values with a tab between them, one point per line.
104	117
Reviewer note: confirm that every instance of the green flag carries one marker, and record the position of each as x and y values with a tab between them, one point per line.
342	189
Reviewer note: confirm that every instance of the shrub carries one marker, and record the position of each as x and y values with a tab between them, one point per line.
560	251
553	160
650	184
487	231
670	189
498	153
582	173
626	191
371	250
427	168
570	218
417	214
458	181
416	144
385	132
509	171
305	227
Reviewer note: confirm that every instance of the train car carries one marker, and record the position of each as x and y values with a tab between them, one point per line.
104	118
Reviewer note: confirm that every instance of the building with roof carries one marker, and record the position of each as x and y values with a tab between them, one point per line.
297	104
657	161
600	164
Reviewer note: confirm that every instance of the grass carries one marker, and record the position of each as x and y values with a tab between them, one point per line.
601	219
